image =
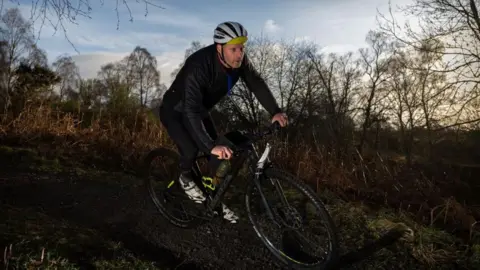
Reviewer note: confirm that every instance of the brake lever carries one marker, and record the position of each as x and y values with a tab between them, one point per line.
275	127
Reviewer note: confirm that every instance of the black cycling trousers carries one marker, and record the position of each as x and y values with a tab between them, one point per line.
186	145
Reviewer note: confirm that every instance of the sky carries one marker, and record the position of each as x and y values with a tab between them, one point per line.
168	30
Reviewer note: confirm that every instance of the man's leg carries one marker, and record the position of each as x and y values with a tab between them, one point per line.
187	149
214	162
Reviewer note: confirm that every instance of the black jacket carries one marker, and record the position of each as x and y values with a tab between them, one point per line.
202	82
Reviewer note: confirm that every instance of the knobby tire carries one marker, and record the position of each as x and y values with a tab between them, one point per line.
283	176
161	207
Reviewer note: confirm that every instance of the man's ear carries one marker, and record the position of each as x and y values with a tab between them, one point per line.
219	48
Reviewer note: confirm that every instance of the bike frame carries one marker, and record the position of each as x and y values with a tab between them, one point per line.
256	165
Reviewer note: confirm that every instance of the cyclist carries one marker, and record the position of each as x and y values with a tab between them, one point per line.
206	77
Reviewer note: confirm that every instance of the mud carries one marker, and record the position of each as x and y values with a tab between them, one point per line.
116	205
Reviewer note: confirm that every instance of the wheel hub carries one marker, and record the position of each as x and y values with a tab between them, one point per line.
289	216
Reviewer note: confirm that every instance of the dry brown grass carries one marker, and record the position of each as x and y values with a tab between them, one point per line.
104	137
124	141
380	181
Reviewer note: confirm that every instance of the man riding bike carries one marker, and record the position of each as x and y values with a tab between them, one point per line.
205	78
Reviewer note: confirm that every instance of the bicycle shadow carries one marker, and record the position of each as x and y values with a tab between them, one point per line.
293	247
388	239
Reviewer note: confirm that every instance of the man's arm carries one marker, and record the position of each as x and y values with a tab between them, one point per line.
193	107
257	85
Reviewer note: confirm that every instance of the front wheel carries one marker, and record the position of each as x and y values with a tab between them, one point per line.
292	245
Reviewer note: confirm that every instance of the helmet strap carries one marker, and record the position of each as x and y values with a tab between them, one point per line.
223	58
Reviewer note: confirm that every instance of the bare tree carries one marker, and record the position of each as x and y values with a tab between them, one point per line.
375	61
194	46
292	77
4	66
419	95
143	68
69	73
339	77
116	84
89	93
435	92
18	37
36	57
404	100
456	24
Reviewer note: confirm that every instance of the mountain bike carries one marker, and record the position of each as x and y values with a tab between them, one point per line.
261	173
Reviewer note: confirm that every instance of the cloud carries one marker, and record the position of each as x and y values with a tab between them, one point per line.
302	39
167	62
154	42
271	26
89	64
336	26
339	48
173	17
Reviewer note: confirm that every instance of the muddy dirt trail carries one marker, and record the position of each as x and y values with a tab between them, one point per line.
71	202
116	205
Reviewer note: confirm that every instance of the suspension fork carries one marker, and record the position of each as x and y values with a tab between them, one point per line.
258	175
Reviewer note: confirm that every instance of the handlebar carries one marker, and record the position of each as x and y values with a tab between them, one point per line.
271	129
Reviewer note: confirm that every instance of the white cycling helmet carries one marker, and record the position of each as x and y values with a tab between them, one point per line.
230	33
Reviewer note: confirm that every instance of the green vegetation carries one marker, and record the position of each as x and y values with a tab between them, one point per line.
41	241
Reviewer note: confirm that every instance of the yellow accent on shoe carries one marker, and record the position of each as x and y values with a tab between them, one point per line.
209	185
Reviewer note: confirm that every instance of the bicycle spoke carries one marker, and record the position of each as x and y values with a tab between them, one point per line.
299	238
165	193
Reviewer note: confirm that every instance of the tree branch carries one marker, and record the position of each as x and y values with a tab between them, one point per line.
66	11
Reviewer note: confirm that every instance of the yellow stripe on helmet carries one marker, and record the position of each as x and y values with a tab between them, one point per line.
238	40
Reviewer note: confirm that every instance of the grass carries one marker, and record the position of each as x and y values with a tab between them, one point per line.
367	196
424	248
38	240
27	158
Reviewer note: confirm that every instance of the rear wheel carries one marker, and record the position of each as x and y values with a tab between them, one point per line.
292	246
161	182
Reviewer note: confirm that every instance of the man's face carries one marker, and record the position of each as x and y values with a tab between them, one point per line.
233	54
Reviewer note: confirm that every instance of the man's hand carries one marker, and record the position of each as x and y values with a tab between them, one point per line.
223	152
281	118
